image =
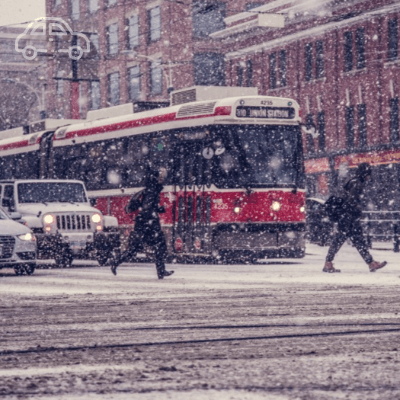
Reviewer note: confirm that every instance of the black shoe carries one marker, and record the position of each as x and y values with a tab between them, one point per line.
161	275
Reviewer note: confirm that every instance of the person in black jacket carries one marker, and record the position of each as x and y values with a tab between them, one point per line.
147	225
349	225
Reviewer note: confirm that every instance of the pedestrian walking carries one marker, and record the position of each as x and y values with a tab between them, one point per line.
349	225
147	229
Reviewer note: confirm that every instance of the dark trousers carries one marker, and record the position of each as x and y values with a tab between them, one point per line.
154	239
349	229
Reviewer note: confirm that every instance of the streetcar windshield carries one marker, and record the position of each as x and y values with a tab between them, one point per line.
51	192
260	156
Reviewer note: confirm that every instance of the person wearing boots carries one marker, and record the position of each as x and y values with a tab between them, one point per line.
349	225
147	225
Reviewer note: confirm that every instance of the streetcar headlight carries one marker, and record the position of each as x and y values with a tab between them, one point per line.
27	237
96	218
302	209
237	210
48	219
276	206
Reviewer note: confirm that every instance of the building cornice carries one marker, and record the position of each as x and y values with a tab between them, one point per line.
311	32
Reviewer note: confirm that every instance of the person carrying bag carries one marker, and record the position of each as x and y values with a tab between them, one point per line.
346	211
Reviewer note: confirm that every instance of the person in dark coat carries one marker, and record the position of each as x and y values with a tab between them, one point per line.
349	225
147	226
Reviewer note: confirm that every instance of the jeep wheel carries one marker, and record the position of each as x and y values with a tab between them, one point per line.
19	270
64	259
102	258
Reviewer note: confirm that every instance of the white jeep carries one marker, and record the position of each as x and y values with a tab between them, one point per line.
61	217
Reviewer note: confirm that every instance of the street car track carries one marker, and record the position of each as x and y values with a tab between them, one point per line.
213	340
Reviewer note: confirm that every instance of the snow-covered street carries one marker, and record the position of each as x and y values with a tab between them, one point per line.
276	330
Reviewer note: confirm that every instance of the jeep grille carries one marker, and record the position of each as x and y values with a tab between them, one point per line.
74	222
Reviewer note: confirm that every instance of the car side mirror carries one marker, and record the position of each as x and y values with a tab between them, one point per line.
93	202
15	215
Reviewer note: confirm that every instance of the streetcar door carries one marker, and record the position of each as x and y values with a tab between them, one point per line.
192	205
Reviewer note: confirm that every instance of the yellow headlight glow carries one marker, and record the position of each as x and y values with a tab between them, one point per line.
96	218
48	219
276	206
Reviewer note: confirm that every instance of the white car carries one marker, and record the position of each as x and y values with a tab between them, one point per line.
17	245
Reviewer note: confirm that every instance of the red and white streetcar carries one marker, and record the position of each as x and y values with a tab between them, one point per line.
235	184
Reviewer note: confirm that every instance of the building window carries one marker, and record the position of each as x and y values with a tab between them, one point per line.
319	60
95	96
360	48
75	9
155	78
282	68
209	69
249	73
394	119
60	84
133	31
93	6
362	125
240	75
113	89
134	83
348	51
112	39
272	71
154	24
321	130
309	139
393	39
81	100
94	39
208	17
349	127
308	61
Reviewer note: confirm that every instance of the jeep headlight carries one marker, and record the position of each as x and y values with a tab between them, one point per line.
27	237
48	219
96	218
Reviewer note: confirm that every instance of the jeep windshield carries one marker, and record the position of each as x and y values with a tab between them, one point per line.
51	192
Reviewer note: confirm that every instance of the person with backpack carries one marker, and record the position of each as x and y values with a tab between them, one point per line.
147	224
347	212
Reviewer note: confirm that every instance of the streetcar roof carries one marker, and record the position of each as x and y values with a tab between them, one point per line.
19	144
182	115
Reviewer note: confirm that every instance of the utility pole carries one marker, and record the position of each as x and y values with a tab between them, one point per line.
74	84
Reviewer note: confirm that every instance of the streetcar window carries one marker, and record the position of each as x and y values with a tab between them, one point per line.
257	155
271	154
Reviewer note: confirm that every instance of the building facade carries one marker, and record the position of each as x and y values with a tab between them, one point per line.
339	59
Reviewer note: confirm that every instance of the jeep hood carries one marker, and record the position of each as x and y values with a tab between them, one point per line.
35	208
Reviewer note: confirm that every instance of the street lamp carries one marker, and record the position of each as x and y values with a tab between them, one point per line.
40	99
168	76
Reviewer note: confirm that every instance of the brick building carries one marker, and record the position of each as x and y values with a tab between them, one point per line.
339	59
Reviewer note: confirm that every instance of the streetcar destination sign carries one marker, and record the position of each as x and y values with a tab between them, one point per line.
265	112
